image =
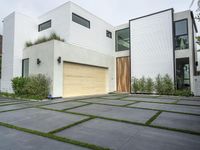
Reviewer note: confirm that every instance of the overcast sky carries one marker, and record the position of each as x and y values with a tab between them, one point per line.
115	12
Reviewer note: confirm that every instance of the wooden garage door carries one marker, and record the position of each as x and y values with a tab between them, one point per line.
83	80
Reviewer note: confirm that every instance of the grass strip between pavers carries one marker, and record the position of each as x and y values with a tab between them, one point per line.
71	125
153	118
54	137
125	121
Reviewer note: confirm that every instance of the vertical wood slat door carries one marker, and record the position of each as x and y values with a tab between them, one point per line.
123	74
79	80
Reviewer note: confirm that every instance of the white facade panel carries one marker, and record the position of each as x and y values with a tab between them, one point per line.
152	45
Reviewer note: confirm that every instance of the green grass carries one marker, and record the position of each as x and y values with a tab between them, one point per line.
71	125
153	118
54	137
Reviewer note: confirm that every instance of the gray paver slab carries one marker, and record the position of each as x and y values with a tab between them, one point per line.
122	113
114	97
64	105
108	101
189	102
149	99
178	121
168	107
16	140
122	136
39	119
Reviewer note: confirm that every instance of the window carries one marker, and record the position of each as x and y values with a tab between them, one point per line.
181	34
109	34
122	39
25	67
44	26
182	73
80	20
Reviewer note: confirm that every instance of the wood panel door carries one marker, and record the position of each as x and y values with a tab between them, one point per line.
123	74
79	80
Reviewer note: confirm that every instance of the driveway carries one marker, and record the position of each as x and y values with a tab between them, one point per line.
120	122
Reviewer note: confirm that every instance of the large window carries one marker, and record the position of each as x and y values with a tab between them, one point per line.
25	67
80	20
182	73
122	39
181	34
44	25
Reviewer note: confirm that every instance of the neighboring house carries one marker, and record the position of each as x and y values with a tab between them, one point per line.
96	57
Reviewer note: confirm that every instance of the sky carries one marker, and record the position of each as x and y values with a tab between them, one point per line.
115	12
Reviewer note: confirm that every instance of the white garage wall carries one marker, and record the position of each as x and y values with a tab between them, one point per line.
152	45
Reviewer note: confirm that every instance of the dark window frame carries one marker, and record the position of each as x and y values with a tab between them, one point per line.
186	34
23	66
116	39
39	26
108	34
83	19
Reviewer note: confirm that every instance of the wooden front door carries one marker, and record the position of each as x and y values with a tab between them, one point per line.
123	74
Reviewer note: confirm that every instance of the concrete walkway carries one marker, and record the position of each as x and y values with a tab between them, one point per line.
120	122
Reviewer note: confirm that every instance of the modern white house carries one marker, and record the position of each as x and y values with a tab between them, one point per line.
96	57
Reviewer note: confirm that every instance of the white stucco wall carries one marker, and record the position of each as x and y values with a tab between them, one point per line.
152	46
49	52
44	52
17	29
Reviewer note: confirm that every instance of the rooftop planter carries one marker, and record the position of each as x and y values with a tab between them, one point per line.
53	36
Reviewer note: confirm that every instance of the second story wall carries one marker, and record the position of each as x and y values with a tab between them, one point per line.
93	38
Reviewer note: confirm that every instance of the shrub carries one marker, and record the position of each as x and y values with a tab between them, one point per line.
52	36
18	85
184	92
149	87
40	40
36	86
168	85
141	85
158	84
28	44
135	85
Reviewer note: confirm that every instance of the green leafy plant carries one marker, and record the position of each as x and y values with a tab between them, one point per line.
18	85
52	36
168	85
34	87
184	92
158	84
28	44
38	85
141	84
149	87
135	85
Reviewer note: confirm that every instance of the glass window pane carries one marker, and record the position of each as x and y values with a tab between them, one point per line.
181	27
80	20
122	39
45	25
25	67
108	34
182	42
182	73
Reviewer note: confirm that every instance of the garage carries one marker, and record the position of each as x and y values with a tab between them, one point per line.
79	80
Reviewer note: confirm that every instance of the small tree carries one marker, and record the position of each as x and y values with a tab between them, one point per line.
135	85
149	85
168	86
141	84
158	84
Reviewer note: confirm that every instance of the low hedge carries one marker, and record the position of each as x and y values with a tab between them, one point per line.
162	85
34	87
